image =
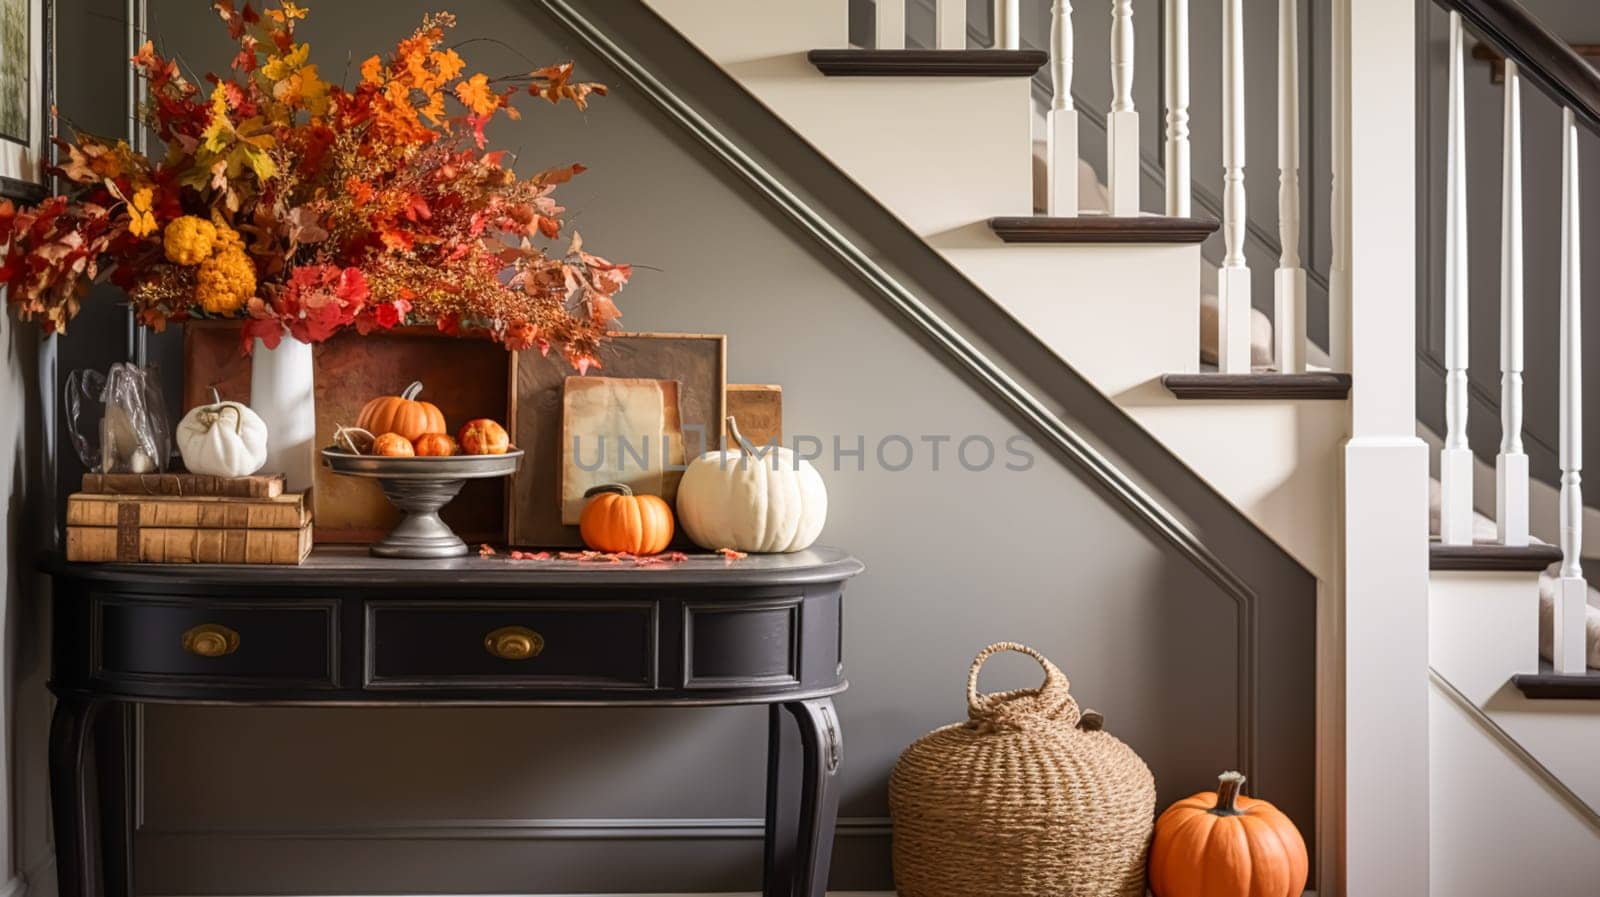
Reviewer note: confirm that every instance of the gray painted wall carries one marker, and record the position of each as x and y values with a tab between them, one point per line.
286	801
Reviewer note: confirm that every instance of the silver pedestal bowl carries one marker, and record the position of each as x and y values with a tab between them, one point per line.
420	487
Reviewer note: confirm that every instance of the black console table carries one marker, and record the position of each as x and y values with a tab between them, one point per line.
344	629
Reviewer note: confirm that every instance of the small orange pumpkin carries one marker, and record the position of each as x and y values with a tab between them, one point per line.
617	520
434	445
482	436
404	414
1225	845
393	445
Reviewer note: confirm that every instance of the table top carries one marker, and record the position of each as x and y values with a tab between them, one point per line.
353	565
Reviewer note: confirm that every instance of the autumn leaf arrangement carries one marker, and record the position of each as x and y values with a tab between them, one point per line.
308	208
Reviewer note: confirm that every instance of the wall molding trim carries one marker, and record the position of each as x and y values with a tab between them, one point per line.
642	828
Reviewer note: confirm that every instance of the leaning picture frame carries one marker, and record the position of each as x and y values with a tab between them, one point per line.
26	31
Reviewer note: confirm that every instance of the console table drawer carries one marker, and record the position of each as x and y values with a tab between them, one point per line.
282	643
515	645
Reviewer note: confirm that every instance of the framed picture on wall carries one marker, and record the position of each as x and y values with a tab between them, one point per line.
24	112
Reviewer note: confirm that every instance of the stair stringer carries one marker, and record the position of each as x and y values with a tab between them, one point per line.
1484	629
1122	315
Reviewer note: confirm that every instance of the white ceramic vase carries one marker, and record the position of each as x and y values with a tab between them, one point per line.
281	393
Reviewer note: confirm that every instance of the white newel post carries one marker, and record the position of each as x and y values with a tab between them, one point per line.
1061	122
1375	801
950	24
1511	464
1455	460
890	24
1567	655
1289	282
1122	124
1233	280
1175	66
1007	24
1339	190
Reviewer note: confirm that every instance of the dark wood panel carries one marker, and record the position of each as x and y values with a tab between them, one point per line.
1489	556
1544	58
1549	685
972	63
1314	385
282	643
1102	229
441	644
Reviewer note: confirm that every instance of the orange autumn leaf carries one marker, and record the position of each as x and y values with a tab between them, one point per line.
475	94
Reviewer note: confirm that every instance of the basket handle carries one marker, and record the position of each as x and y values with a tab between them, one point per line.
1051	699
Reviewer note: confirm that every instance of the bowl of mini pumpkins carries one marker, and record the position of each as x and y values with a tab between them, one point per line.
405	444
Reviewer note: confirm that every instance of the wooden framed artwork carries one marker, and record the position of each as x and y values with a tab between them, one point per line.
466	378
25	47
694	364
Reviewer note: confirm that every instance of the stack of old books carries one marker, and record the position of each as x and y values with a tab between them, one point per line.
184	518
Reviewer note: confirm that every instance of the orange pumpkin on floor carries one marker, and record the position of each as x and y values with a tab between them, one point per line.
617	520
1226	845
404	414
393	445
433	445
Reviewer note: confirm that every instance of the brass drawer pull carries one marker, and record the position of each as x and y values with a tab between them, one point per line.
513	643
210	640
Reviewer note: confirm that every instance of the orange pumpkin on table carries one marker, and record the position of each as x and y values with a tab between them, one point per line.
483	436
430	445
404	414
393	445
1223	844
615	519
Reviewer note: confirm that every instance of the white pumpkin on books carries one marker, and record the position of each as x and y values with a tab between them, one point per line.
224	439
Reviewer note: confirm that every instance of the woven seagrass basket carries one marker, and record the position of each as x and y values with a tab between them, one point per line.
1028	798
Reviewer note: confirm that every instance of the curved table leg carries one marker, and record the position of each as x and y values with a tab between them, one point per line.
70	806
800	820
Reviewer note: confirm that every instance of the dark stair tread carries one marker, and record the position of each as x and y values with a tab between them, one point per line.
1103	229
911	63
1310	385
1551	685
1492	556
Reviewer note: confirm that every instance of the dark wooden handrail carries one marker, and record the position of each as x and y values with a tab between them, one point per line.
1542	57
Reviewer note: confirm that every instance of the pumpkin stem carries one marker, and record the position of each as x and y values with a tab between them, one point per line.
411	392
738	438
216	397
1228	785
618	488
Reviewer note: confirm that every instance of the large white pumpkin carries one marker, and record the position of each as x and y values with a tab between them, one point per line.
223	439
773	502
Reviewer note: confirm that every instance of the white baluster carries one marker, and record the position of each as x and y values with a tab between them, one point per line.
1289	294
1122	124
1233	280
1061	122
950	24
1455	460
1339	183
1568	653
1007	25
1176	89
890	24
1511	465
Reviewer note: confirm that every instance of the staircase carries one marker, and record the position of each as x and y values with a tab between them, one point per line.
1434	701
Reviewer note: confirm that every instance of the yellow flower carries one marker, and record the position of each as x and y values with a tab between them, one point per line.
475	94
225	282
141	220
188	240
